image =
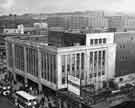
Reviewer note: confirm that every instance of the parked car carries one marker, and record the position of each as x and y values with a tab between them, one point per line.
5	89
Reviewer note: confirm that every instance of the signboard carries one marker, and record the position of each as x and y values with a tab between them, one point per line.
74	84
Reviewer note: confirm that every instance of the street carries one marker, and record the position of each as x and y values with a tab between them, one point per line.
5	103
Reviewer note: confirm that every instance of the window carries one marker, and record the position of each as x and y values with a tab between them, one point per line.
90	75
123	46
132	38
104	40
100	41
103	72
91	42
73	67
120	46
68	67
63	68
99	73
96	41
94	74
82	59
78	60
63	80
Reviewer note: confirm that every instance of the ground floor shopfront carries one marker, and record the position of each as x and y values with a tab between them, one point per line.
68	100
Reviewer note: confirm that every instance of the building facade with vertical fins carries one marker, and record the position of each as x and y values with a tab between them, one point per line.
92	61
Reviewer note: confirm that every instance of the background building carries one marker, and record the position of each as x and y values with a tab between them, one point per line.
118	23
91	21
125	58
121	23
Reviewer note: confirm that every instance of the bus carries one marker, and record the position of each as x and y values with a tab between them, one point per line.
25	100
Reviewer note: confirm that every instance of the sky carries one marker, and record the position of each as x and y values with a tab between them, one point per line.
43	6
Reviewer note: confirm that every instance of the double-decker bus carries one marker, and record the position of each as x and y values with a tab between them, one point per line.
25	100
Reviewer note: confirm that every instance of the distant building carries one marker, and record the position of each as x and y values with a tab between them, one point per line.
57	21
121	23
10	31
118	23
89	21
130	23
125	57
36	29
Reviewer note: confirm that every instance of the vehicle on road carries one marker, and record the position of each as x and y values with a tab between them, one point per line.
25	100
5	89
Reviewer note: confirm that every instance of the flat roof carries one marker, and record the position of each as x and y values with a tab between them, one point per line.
26	95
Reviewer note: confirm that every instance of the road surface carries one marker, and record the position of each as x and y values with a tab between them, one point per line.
5	103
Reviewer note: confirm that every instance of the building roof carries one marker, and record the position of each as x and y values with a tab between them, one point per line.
26	95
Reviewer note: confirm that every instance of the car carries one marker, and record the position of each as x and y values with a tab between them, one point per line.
5	90
6	93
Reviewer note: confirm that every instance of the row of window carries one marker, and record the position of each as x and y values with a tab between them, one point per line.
48	67
48	62
97	74
73	64
123	58
97	41
19	57
32	61
10	53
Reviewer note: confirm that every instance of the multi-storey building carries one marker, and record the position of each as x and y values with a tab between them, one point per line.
77	22
57	21
130	26
122	23
3	61
125	59
118	23
81	21
2	56
54	66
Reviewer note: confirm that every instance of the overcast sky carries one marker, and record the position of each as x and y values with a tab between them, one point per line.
42	6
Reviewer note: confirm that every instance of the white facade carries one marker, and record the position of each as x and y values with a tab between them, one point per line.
93	63
51	66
